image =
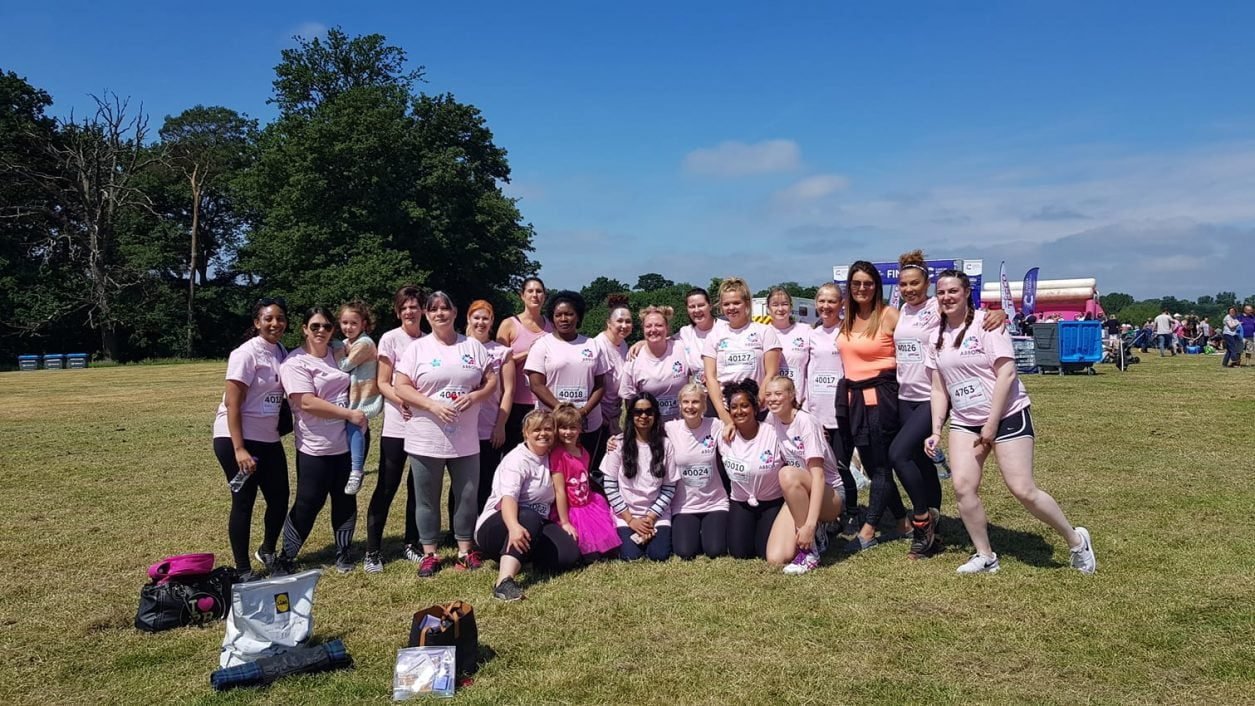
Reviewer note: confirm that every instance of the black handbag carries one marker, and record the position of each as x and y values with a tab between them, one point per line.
452	624
192	600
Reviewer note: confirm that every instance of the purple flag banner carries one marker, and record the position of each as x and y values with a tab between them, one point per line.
1029	302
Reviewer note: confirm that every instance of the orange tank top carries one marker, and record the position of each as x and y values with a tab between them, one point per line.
865	357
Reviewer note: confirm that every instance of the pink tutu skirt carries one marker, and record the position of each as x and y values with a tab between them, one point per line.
595	525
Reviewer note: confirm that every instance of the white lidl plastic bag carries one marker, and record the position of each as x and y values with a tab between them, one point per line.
269	617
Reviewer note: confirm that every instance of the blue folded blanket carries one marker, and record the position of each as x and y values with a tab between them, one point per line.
326	657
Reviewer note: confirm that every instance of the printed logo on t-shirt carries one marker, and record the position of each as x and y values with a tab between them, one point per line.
723	344
677	368
586	353
798	342
708	442
766	458
468	359
752	338
435	362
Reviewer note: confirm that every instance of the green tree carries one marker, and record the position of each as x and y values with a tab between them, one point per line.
1226	299
651	281
360	185
595	292
1115	301
793	288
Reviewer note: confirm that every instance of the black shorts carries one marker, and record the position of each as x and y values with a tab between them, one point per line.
1012	427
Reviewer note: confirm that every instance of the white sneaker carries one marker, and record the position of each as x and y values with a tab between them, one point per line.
979	565
1083	559
355	482
412	553
802	563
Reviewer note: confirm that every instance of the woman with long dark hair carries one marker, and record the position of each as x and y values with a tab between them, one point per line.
246	434
640	479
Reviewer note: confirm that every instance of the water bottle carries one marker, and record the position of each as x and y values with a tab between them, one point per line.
238	481
943	468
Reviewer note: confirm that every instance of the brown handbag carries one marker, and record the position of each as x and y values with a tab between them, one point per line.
453	625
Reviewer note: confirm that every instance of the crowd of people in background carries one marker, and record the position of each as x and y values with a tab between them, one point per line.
1173	334
728	436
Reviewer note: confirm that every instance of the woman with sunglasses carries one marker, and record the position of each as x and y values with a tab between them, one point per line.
407	304
566	366
518	333
640	477
318	392
752	459
739	348
443	378
973	376
246	434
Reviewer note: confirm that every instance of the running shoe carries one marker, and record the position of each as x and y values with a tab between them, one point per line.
858	544
804	561
468	561
979	565
1083	559
355	482
344	560
412	553
266	558
508	590
923	535
282	565
373	563
428	566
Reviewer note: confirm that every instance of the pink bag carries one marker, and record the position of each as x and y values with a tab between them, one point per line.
181	566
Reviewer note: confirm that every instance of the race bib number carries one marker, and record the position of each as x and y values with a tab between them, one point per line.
824	383
541	509
574	395
695	476
738	470
271	402
967	394
450	394
910	350
787	372
668	406
738	360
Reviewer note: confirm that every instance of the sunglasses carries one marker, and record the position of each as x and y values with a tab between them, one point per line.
862	285
643	412
271	301
321	327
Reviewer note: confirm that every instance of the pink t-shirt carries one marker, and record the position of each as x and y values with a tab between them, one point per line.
753	465
569	368
616	358
804	439
823	372
968	372
574	473
915	333
524	476
445	373
700	489
489	408
303	373
641	491
693	342
392	346
661	377
738	353
795	351
255	364
523	340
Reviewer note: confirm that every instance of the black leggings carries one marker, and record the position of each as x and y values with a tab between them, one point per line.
271	475
552	549
489	459
906	453
705	532
318	477
392	460
749	527
876	463
514	425
595	443
843	450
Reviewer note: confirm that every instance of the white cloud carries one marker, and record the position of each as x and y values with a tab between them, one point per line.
308	30
733	159
812	188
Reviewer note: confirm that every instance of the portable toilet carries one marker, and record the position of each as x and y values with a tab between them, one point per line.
75	360
28	362
54	361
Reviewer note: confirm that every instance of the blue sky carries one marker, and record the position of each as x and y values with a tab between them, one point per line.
774	140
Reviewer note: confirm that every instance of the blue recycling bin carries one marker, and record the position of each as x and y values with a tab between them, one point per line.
75	360
28	362
1080	342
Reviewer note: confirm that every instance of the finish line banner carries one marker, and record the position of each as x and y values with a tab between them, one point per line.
974	269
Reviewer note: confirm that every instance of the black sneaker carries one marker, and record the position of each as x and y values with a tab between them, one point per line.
282	565
852	521
344	560
923	536
266	558
508	590
245	576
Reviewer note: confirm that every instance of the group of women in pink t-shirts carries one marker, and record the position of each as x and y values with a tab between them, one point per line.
726	437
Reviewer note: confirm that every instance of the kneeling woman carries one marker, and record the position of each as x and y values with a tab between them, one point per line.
809	482
973	374
699	517
640	478
515	524
753	461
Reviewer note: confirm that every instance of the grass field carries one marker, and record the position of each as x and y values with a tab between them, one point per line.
105	471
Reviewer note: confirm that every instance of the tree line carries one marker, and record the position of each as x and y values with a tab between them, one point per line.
1132	311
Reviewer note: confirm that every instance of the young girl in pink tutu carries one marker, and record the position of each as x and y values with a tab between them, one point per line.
584	515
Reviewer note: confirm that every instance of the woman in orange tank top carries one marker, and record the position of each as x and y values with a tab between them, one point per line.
867	399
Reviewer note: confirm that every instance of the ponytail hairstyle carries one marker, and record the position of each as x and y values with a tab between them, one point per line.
781	290
966	284
788	383
736	286
665	312
258	306
915	259
657	441
360	308
615	302
877	304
